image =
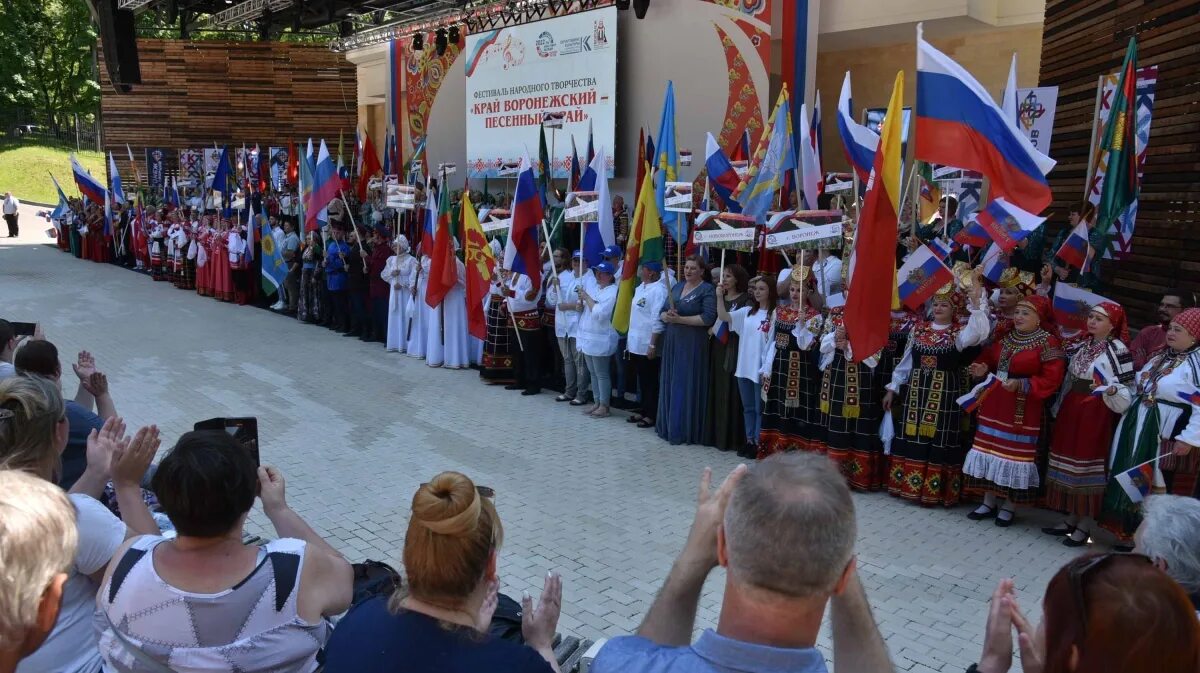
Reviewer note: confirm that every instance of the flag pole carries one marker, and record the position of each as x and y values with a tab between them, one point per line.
362	251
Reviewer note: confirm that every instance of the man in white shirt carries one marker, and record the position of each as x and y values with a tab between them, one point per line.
10	208
562	297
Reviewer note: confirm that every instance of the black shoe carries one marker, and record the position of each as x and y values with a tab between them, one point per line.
1067	529
980	516
532	391
1072	542
749	451
1122	548
1005	523
513	386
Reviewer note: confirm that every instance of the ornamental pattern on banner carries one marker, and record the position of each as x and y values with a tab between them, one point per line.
424	72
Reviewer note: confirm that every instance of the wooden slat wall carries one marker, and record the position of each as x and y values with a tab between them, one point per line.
1084	39
194	94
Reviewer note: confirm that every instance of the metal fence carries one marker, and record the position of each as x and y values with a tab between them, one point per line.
75	131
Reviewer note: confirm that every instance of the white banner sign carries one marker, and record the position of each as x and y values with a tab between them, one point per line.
678	197
516	75
496	225
1035	114
804	234
724	235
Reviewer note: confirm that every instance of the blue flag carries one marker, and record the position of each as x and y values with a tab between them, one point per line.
221	176
118	194
667	164
274	270
757	191
62	207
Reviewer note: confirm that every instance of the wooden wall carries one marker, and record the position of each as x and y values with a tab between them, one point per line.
194	94
1084	39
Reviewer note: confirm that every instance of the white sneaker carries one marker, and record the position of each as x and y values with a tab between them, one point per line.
278	306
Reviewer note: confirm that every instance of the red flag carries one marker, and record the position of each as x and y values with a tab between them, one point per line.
293	167
443	272
869	301
370	166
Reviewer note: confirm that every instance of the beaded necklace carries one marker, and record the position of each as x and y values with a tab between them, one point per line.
1016	342
1163	366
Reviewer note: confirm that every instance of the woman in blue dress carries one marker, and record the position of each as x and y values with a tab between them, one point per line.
683	392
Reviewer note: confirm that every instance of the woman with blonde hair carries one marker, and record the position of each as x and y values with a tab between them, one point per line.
33	434
440	623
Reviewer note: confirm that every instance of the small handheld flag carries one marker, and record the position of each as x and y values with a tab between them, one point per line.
1076	250
921	276
1099	381
974	399
1138	480
1192	397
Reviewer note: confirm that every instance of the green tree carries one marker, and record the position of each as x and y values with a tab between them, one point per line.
46	58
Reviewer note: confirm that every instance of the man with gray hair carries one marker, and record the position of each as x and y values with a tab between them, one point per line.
1170	535
37	547
784	531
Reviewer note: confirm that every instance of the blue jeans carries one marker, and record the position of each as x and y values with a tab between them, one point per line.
601	378
751	393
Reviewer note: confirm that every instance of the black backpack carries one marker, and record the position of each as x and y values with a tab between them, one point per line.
375	578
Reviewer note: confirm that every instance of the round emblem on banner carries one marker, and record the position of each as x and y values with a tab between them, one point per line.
545	44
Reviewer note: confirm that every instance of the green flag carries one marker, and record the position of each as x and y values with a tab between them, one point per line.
1119	145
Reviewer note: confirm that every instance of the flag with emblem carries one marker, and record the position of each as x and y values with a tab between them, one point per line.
480	262
1072	305
1120	146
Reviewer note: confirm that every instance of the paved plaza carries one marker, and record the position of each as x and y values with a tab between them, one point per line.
355	430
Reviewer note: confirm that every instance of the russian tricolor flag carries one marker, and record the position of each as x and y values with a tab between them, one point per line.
941	249
859	141
1072	305
1077	250
90	187
958	124
1137	481
1192	397
521	255
1007	224
994	263
324	189
973	234
601	235
721	175
1100	381
921	276
974	399
721	331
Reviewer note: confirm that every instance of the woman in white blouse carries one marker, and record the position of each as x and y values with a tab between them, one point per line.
597	338
645	330
752	324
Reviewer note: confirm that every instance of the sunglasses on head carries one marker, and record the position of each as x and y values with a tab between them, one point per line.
1081	567
485	491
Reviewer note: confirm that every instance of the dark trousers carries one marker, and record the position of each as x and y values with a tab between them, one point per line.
360	322
527	358
552	363
11	221
379	318
619	378
339	310
291	288
647	372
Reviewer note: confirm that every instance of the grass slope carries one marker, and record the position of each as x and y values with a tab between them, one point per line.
25	171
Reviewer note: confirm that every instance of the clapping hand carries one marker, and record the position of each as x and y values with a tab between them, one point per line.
96	384
538	626
85	365
839	338
103	443
997	638
131	458
710	512
483	619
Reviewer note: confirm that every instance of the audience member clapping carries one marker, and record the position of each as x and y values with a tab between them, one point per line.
40	358
38	540
1170	536
204	601
784	531
33	434
1103	613
440	624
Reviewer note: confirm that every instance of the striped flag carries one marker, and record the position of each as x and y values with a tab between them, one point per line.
974	399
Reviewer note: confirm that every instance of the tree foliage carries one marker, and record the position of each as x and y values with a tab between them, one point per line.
46	58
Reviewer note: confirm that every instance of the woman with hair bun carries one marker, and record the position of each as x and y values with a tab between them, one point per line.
439	623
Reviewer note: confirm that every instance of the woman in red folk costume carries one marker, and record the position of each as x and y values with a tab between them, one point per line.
203	262
1097	389
1029	361
926	461
1013	286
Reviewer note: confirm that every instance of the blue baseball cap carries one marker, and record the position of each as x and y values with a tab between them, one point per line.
611	251
653	266
577	255
605	267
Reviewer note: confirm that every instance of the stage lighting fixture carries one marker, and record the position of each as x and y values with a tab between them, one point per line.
640	7
455	34
418	41
439	41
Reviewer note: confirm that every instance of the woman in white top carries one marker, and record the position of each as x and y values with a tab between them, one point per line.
204	601
33	434
597	338
561	296
645	329
752	324
400	274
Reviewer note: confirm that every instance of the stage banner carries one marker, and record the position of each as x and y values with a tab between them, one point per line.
212	156
1035	112
191	168
1121	244
516	75
279	167
155	167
